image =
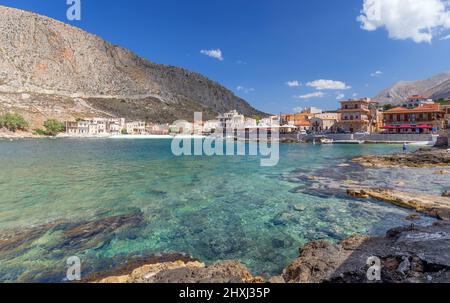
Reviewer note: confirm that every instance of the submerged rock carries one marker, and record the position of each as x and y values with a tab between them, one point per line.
94	232
299	207
442	172
413	217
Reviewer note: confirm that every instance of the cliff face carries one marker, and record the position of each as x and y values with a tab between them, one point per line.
435	87
48	68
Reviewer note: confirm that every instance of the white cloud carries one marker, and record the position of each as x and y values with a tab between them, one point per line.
310	96
340	96
328	84
355	95
418	20
297	110
245	89
378	73
213	53
293	83
446	38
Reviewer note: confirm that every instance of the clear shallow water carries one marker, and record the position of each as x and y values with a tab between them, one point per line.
211	208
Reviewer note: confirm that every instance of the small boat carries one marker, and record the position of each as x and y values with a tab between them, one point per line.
422	143
327	141
348	142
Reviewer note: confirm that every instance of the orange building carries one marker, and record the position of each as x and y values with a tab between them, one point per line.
358	116
425	119
300	121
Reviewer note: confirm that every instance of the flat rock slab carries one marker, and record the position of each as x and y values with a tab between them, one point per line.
434	206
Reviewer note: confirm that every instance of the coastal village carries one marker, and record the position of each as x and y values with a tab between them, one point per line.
362	117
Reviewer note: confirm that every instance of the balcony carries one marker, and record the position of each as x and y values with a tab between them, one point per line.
354	121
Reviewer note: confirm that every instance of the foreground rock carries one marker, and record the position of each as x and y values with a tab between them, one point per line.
434	206
411	254
423	158
187	272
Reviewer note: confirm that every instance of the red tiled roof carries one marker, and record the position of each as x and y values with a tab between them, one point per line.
416	97
427	108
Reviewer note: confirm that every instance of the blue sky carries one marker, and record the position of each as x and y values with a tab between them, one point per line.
266	43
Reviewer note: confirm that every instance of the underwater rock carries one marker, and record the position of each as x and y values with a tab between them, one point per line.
276	243
94	232
283	219
442	172
15	241
299	207
413	217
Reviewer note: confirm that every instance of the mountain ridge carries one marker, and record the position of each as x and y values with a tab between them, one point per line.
49	69
435	87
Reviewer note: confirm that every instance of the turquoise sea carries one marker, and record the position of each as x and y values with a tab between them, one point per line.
109	201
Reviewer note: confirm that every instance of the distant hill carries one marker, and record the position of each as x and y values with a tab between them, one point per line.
50	69
436	87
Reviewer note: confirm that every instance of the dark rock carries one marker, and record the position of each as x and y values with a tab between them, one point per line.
299	207
407	254
95	232
278	243
413	217
283	219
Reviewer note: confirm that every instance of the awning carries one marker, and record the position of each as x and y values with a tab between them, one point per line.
425	127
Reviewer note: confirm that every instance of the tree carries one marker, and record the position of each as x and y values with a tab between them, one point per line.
54	127
13	122
388	107
257	118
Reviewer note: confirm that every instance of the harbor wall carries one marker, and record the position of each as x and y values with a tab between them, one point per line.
390	138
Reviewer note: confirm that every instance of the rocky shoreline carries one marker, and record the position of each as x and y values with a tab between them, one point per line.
410	254
8	135
423	158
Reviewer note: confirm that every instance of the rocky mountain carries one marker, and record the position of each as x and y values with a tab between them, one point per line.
50	69
435	87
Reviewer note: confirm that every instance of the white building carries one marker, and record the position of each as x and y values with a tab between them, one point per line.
182	127
158	129
136	128
270	121
211	126
417	101
95	127
312	111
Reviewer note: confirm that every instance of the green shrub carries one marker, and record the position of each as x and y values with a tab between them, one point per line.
54	127
13	122
40	132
